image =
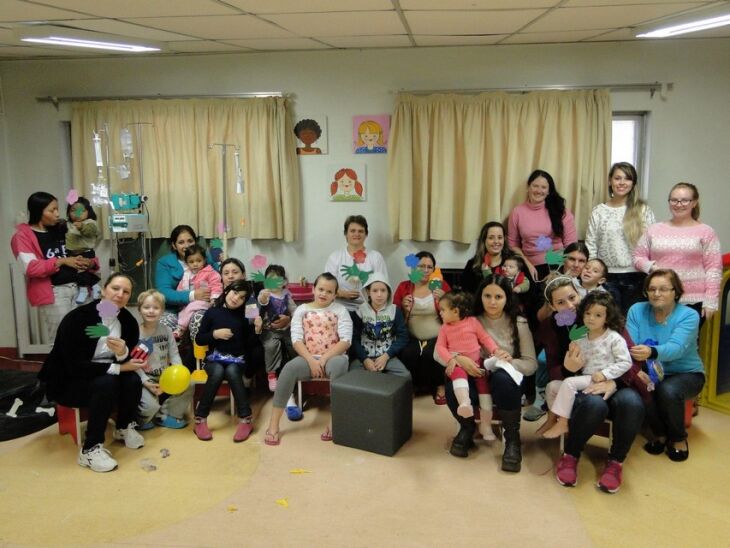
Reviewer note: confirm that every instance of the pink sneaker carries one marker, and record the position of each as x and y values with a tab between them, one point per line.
243	431
566	471
610	481
272	381
201	429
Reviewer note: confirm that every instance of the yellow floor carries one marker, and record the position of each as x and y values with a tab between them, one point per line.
309	493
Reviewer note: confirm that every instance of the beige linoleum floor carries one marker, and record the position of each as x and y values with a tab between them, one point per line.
309	493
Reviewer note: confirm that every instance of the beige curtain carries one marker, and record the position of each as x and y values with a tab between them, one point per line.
457	161
183	177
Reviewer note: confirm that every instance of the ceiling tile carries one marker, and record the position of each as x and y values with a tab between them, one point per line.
476	4
216	27
354	42
469	22
279	44
423	40
144	8
342	23
589	3
27	52
15	11
121	28
549	37
199	46
605	17
310	6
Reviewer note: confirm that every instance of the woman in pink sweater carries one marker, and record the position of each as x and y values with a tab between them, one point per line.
688	247
541	223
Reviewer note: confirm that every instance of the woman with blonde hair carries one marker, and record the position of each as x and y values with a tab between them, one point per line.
614	230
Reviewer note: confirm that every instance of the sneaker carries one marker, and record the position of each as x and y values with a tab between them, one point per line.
146	426
272	381
610	481
245	427
83	295
97	458
293	413
95	291
201	429
170	422
131	438
566	471
533	413
247	381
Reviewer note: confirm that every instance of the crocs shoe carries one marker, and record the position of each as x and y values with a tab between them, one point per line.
245	427
171	422
273	381
201	429
293	413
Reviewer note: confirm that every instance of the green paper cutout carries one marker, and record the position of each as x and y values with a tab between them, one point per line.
576	333
416	276
258	277
434	284
97	331
273	282
215	243
554	258
79	210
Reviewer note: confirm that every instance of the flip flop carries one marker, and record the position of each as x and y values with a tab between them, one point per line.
326	435
272	439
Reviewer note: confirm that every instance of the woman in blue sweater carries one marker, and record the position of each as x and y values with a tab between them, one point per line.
667	333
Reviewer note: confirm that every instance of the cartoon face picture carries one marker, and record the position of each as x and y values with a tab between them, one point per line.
371	134
346	187
309	132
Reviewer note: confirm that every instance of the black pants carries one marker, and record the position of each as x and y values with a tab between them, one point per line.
506	395
101	395
424	369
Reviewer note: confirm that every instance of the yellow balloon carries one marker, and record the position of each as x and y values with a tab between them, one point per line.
175	379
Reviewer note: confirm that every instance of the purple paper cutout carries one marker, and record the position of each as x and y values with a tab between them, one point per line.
565	318
543	243
107	309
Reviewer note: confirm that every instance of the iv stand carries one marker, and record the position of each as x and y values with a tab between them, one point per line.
146	253
224	153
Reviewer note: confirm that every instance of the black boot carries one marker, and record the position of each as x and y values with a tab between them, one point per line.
464	440
512	458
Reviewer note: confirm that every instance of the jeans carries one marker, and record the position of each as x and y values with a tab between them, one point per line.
626	288
665	413
624	408
233	373
393	366
506	395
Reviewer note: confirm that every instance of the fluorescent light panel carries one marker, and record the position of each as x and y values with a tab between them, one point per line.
55	35
78	43
694	26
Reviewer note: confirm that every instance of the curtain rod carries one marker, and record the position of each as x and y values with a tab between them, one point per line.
652	88
57	100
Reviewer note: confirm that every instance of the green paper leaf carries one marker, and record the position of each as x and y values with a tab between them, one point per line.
273	282
96	331
364	276
350	271
258	277
215	243
576	333
415	276
554	258
434	284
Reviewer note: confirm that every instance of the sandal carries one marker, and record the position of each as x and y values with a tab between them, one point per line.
439	399
326	435
272	439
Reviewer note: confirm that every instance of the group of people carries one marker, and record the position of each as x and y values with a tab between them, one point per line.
581	323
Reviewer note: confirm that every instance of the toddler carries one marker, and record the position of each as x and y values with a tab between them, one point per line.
463	334
592	277
198	273
605	356
277	305
513	268
81	239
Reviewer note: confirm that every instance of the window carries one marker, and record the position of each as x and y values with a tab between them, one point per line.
628	141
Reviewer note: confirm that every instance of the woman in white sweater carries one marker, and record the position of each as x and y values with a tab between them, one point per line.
614	230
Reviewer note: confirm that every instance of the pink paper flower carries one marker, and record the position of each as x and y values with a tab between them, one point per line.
259	262
359	256
72	197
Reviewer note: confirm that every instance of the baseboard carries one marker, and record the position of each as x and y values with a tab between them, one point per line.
9	360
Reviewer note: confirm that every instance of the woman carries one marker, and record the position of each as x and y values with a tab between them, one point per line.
672	329
169	272
354	254
489	254
688	247
619	400
541	223
496	309
96	372
40	248
614	230
420	306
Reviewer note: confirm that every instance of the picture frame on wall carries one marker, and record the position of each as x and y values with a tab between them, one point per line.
347	182
311	132
370	133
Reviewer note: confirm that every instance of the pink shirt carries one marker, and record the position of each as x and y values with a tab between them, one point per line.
466	337
693	252
528	222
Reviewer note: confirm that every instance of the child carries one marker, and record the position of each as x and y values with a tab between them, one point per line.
592	277
463	334
81	239
605	356
380	330
157	342
229	337
276	305
197	274
513	268
321	332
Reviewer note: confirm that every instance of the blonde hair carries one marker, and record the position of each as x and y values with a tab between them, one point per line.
635	216
371	127
695	197
154	294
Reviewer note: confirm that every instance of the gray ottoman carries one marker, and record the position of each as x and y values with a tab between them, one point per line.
372	411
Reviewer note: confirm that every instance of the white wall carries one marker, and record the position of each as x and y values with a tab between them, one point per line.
689	131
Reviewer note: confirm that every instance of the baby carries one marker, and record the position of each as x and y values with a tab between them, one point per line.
592	277
513	268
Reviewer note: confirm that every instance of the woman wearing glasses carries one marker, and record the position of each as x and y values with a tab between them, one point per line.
666	332
688	247
419	303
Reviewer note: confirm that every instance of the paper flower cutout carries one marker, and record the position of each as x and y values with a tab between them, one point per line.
107	309
576	333
565	318
273	282
359	256
216	243
284	503
221	228
435	280
78	210
142	350
412	261
416	276
259	262
252	311
543	243
354	272
72	197
96	331
554	258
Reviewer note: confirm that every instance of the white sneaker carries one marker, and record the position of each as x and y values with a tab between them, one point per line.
98	459
130	436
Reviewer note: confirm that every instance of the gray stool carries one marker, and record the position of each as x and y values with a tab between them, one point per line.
372	411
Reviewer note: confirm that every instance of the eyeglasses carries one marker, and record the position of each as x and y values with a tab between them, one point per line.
682	202
660	290
425	267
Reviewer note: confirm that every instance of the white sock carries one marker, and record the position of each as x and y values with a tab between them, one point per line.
291	402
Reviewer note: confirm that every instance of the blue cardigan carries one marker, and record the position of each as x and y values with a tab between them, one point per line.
677	337
168	273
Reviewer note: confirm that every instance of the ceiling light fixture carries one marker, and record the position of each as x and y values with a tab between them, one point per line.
76	43
74	38
687	24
